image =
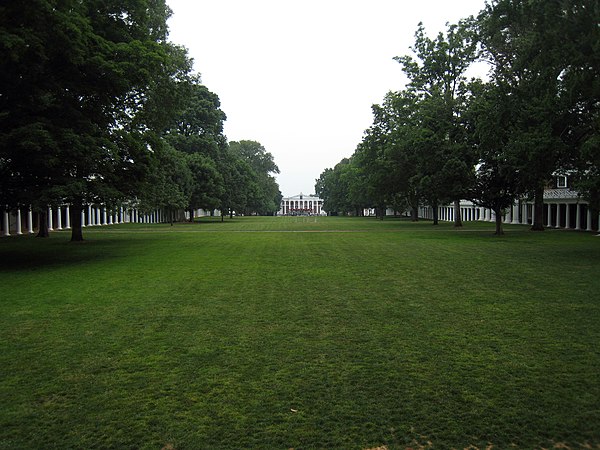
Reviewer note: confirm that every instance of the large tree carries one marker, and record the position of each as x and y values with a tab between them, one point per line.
580	96
80	83
197	131
437	76
264	198
489	116
520	38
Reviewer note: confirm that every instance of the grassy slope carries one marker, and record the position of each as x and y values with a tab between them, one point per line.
394	334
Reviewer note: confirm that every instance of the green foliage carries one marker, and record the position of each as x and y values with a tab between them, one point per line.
334	187
442	139
532	46
170	185
263	195
97	76
438	82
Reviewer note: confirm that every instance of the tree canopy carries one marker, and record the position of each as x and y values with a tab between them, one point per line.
98	106
444	137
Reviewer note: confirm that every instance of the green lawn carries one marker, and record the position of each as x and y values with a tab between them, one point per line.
300	333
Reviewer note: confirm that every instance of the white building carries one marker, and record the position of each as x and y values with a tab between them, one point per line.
301	205
563	208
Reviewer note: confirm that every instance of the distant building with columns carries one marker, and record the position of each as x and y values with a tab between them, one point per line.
301	205
563	208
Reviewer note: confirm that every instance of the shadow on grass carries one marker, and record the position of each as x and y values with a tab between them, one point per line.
30	253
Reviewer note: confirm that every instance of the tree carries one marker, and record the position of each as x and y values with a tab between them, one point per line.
340	188
198	128
520	40
386	154
264	198
170	184
496	182
207	183
580	95
92	72
197	132
438	79
239	184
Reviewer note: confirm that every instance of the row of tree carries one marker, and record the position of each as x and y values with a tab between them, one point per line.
446	137
97	106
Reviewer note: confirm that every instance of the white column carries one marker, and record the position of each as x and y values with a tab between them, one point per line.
121	218
6	222
578	218
29	221
59	218
82	218
104	216
524	214
97	221
50	219
68	217
549	224
509	215
110	218
567	216
515	213
90	219
558	215
19	221
589	219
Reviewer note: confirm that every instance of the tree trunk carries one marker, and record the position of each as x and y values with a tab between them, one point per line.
76	229
191	211
43	230
414	214
231	213
499	230
436	218
457	216
538	209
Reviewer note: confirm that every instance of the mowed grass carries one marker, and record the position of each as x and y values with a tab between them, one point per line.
300	333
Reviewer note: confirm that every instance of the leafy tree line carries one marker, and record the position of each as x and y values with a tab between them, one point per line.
97	106
446	137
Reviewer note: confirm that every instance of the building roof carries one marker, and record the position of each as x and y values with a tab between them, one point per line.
302	196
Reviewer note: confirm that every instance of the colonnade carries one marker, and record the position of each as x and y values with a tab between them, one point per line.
21	220
313	206
557	214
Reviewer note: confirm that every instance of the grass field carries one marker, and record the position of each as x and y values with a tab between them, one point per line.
300	333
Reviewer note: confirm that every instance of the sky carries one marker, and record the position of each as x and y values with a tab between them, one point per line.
300	76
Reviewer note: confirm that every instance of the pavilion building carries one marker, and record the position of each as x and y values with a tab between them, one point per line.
301	205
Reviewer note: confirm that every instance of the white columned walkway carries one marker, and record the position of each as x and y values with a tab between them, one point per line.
19	221
58	218
6	222
30	221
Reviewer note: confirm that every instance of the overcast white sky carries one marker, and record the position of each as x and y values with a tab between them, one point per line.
300	76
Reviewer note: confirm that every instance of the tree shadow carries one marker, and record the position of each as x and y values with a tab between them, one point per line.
31	253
